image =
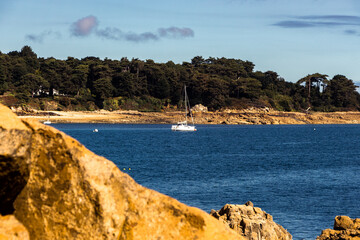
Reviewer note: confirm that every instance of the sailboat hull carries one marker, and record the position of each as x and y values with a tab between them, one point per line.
183	128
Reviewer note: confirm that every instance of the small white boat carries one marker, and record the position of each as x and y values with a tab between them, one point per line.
183	126
95	130
47	122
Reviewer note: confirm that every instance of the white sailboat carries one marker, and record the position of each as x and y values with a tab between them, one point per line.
48	122
183	126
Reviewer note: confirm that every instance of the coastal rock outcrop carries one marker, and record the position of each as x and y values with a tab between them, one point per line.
58	189
199	108
345	228
251	222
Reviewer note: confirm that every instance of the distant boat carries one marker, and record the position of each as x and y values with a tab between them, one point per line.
95	130
183	126
48	122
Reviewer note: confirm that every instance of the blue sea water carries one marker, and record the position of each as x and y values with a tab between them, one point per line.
303	175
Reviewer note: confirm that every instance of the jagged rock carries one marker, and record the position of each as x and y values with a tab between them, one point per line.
251	222
60	190
344	222
12	229
345	228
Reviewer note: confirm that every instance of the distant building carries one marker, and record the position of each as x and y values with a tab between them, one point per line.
42	92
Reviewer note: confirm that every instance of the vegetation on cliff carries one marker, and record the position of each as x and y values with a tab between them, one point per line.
91	83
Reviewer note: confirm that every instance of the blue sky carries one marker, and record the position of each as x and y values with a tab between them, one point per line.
293	38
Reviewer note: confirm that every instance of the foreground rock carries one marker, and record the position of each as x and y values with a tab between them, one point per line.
11	228
251	222
345	228
60	190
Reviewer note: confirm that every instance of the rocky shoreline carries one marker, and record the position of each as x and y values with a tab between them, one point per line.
52	187
345	228
235	117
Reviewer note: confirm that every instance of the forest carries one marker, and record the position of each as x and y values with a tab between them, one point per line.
217	83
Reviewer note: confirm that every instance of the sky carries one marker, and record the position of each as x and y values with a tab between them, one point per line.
291	37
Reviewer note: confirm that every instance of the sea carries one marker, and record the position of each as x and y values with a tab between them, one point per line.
303	175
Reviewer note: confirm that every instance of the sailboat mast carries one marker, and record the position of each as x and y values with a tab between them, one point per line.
187	106
192	119
185	103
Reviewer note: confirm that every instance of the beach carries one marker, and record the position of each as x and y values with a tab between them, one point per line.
247	116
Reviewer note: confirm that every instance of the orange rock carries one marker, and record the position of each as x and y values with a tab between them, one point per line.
12	229
345	228
251	222
343	223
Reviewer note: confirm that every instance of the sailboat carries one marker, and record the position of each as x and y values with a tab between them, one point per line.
48	122
183	126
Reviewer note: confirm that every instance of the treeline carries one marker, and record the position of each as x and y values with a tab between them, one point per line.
91	83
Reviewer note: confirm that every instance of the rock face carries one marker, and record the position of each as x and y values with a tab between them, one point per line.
345	228
60	190
11	228
251	222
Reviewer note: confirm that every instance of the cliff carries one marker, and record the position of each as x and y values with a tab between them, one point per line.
345	228
251	222
58	189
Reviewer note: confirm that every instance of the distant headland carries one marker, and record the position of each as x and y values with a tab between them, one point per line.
93	84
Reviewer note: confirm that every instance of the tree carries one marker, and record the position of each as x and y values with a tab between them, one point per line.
249	67
30	59
342	92
246	87
124	84
210	91
268	81
51	72
216	92
79	77
162	89
102	89
197	61
32	84
18	71
157	83
309	80
4	73
26	51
